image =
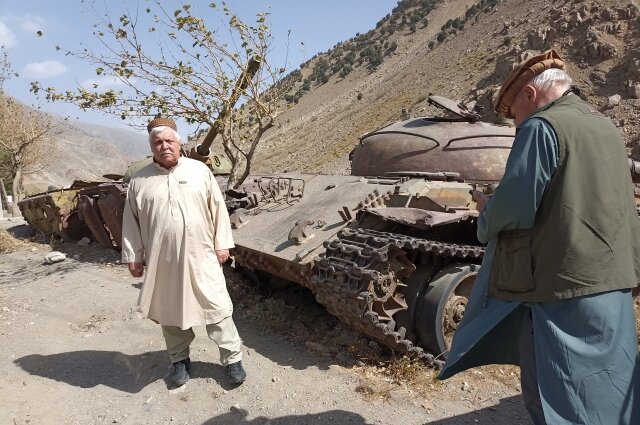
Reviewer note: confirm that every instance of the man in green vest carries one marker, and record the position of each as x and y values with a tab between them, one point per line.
562	257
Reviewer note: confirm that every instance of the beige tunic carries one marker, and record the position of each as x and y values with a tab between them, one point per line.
174	220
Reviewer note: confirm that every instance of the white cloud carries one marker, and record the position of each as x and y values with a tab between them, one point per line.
7	37
31	25
45	69
103	83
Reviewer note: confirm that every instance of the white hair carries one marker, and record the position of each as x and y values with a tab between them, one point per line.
159	129
550	78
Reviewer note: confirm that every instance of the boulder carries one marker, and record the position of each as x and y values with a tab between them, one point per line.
54	257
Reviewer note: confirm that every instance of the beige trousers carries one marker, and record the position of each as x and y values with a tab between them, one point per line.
223	333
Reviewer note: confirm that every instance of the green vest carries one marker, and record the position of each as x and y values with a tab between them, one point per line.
586	235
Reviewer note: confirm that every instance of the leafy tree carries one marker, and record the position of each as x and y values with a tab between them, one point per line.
442	36
187	71
25	137
346	70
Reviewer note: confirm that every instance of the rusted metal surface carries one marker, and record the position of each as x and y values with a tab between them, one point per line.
453	107
321	240
111	203
270	215
415	217
102	210
202	150
90	214
476	151
55	213
361	279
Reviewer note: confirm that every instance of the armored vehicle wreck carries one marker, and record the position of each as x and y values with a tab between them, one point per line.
391	250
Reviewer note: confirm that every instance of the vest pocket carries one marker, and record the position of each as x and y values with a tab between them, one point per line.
512	267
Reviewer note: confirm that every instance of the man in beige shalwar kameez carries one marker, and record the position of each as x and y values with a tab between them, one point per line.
177	227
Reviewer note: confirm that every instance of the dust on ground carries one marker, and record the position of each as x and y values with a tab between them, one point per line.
75	351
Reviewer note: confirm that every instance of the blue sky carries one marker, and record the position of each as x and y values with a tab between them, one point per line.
315	27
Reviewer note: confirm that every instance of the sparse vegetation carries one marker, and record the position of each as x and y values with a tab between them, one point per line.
368	49
8	243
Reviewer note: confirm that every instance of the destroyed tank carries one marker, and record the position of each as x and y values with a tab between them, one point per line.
390	250
55	212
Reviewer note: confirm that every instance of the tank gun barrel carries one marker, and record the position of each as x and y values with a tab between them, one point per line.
202	150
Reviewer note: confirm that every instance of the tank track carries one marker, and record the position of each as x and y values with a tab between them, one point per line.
361	270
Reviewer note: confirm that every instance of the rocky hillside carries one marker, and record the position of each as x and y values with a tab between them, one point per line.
85	152
461	49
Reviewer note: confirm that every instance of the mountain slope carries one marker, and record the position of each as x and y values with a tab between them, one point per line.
599	39
85	152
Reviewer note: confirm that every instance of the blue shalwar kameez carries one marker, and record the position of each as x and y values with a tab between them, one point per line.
585	352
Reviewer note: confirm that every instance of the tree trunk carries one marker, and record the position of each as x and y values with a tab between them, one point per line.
4	201
16	188
234	180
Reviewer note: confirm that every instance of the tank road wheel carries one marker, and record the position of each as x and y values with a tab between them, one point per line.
440	307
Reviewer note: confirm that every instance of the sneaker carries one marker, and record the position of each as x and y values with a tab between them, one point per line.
180	372
236	373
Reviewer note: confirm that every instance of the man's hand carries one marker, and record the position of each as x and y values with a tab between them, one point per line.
136	269
223	255
480	198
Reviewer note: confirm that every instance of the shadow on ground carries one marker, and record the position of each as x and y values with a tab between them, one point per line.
508	412
333	417
129	373
285	352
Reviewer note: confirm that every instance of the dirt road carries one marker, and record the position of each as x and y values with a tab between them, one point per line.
74	351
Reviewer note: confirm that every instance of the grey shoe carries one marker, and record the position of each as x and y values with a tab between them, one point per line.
180	372
236	373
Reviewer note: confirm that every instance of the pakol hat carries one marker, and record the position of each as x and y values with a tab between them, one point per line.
161	121
521	74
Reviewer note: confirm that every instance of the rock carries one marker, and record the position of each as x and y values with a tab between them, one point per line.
34	249
54	257
373	345
614	100
427	405
84	241
314	346
538	39
76	256
466	386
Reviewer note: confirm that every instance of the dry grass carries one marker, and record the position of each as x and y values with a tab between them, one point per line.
8	243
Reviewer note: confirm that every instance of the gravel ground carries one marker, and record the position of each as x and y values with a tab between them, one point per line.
74	351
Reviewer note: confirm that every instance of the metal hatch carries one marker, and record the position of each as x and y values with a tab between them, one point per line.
453	107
